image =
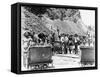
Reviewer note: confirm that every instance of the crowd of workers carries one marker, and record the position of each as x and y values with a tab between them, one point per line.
66	44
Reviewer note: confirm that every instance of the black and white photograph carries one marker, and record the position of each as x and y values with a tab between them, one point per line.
57	38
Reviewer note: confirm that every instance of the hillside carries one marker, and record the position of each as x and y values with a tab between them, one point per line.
32	22
68	25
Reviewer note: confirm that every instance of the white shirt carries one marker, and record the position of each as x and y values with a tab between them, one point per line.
62	39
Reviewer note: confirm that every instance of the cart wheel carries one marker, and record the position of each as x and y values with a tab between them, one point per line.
42	67
45	66
36	67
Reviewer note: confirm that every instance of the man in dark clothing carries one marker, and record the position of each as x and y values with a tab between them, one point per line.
42	36
71	43
77	43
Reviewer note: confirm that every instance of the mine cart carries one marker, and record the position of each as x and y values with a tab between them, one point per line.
39	58
87	55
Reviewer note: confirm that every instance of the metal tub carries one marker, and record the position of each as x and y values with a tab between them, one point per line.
39	55
87	55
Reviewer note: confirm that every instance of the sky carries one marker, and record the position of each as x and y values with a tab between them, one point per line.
88	17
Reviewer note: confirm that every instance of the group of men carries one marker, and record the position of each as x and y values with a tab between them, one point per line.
69	43
39	39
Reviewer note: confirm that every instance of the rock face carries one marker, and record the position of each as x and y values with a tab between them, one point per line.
31	21
68	27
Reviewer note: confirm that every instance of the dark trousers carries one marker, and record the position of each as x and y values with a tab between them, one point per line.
65	47
76	49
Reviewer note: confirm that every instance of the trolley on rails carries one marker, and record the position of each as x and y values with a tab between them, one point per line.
39	57
57	47
87	55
